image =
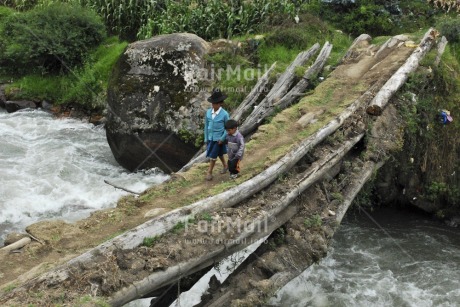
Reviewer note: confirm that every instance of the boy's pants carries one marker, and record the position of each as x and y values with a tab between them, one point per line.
234	166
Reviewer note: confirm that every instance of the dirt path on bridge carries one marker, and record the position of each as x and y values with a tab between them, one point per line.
58	241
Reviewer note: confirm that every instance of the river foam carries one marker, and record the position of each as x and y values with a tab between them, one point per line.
395	259
55	168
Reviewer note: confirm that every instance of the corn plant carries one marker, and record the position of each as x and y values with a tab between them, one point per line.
140	19
446	5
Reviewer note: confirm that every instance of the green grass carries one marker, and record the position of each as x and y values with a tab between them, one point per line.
38	87
313	222
88	300
205	216
178	227
150	241
9	288
281	45
86	85
280	54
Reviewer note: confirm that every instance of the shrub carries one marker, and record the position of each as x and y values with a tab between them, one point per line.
150	241
4	14
314	221
374	17
50	39
299	36
86	85
450	28
89	86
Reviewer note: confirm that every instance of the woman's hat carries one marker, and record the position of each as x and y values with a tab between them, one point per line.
216	96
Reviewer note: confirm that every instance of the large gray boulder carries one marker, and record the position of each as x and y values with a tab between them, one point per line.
155	109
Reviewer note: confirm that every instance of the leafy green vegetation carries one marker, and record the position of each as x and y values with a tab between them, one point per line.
85	73
374	17
49	39
432	145
86	85
178	227
150	241
450	28
204	216
313	222
209	19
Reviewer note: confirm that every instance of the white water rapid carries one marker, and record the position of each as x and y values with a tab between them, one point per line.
55	168
386	258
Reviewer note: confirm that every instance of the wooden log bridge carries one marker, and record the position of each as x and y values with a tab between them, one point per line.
297	192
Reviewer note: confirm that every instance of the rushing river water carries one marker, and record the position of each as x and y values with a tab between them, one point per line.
389	258
55	168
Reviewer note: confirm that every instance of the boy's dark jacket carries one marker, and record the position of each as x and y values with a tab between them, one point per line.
235	144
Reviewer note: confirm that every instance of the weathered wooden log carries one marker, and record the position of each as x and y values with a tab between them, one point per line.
275	213
302	85
16	245
399	78
172	274
277	92
252	97
284	82
308	118
121	188
389	44
229	198
441	47
356	43
351	191
291	270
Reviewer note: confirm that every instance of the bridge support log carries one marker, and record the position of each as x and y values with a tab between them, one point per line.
363	39
161	224
16	245
274	94
399	78
277	92
278	213
252	97
282	270
441	48
279	97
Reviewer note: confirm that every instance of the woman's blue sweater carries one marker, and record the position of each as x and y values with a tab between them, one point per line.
214	129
